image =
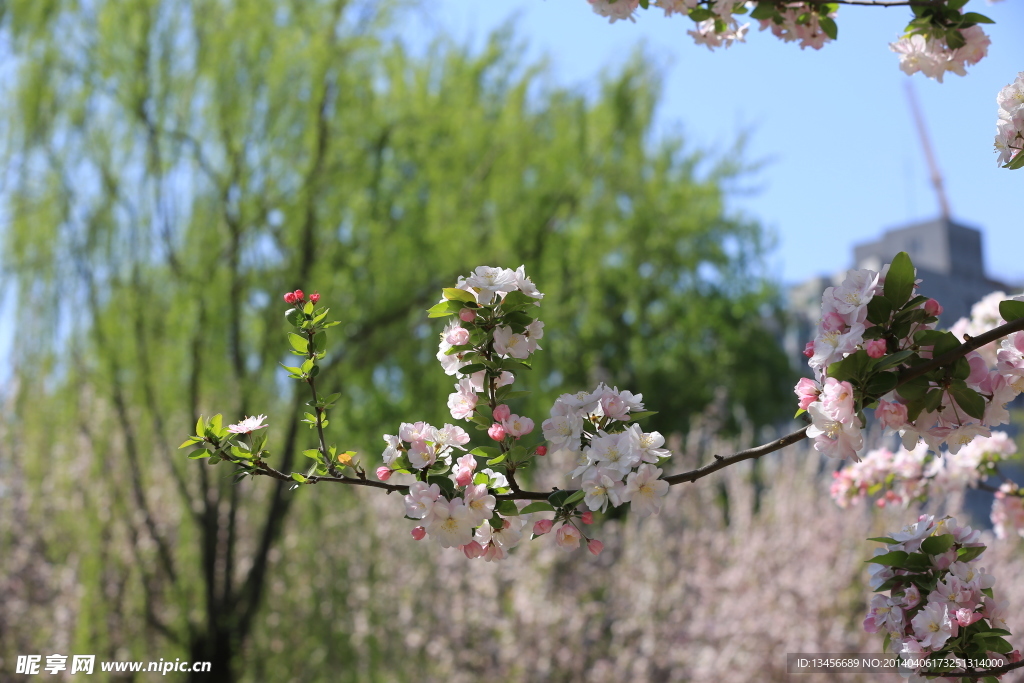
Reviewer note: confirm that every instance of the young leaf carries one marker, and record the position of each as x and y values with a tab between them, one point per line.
538	506
899	281
507	508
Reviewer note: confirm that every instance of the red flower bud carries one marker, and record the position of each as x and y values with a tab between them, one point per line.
289	298
314	297
299	296
541	450
587	517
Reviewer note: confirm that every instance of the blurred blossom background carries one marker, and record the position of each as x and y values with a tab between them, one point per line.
171	167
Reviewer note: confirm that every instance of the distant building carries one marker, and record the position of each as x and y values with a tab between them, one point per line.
948	258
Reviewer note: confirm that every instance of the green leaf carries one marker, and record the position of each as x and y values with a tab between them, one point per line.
507	508
936	545
575	498
971	401
456	294
879	310
320	342
295	317
893	359
443	309
298	342
470	369
200	426
504	396
1016	163
446	485
485	451
558	498
914	389
763	10
851	368
198	454
1011	310
970	553
298	477
480	478
313	453
975	18
828	25
896	558
189	441
517	300
497	459
882	383
538	506
699	14
496	521
633	417
884	539
899	281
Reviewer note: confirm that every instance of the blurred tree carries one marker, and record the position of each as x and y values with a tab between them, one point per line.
175	165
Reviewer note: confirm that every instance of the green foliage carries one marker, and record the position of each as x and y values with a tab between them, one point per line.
188	162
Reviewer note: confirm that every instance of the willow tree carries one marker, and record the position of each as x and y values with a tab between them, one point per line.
175	165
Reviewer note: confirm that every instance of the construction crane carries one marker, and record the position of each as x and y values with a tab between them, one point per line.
933	167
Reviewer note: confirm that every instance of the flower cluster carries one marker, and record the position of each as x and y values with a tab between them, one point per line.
616	463
872	327
811	25
940	605
1008	511
934	56
1010	126
903	476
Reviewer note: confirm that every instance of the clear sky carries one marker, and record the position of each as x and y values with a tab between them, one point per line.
845	161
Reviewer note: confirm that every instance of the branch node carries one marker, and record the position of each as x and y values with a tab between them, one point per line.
718	457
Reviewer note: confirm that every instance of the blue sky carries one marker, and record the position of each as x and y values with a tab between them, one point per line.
845	161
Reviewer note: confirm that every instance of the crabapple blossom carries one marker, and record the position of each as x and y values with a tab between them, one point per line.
463	402
501	413
248	425
517	426
420	500
384	472
467	315
496	431
934	626
603	486
567	537
451	522
876	348
542	526
644	490
615	10
479	502
487	282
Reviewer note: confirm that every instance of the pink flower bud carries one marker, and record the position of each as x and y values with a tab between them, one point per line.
458	336
464	477
314	297
383	472
933	308
501	412
809	349
880	502
541	450
876	348
595	546
299	296
289	298
587	517
473	550
418	533
496	432
542	527
467	315
1014	656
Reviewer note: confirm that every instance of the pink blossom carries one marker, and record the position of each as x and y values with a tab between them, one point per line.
644	490
807	390
467	315
501	413
542	526
457	336
496	432
891	415
966	616
934	626
472	550
595	546
463	402
517	426
876	348
384	472
567	537
248	425
808	349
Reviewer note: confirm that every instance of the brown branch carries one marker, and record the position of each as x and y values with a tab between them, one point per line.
971	344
